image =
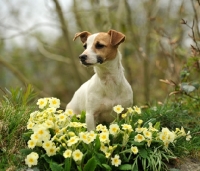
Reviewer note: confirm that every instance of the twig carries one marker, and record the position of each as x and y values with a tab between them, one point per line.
52	56
20	33
20	76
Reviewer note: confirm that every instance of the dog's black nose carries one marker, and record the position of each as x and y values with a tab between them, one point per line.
83	57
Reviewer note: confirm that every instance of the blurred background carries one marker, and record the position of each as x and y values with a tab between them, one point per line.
36	43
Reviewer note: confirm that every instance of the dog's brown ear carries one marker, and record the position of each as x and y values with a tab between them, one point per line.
116	37
83	36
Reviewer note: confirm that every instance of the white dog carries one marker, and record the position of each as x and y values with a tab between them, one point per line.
108	86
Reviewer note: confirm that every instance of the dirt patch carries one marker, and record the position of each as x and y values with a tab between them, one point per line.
186	164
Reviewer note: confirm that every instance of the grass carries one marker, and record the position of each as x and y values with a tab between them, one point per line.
17	104
14	112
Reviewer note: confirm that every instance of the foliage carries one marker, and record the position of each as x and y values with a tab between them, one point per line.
59	140
14	113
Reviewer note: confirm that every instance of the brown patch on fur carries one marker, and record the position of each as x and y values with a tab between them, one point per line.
83	36
108	52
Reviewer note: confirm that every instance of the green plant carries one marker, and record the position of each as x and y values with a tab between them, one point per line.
59	140
14	113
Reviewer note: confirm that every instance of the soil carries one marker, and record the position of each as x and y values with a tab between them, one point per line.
186	164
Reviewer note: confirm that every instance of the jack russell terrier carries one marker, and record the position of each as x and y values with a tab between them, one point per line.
108	86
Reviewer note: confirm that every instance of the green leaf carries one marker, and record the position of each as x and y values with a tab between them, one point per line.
26	151
56	167
67	164
143	153
26	136
125	167
107	167
82	119
97	143
90	165
152	120
157	125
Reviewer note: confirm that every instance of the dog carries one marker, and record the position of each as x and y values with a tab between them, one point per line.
108	86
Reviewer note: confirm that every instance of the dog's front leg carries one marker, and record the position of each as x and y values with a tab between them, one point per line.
90	121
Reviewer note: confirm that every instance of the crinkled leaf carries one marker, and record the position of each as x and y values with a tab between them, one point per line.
56	167
125	167
67	164
143	153
26	151
90	165
107	167
97	143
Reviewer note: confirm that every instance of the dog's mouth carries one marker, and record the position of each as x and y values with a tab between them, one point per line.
100	60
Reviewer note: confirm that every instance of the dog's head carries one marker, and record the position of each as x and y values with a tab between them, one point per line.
99	47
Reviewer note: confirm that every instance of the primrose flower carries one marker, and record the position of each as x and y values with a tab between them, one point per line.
77	155
116	160
42	103
30	125
47	145
137	110
104	137
51	110
67	153
32	143
127	127
51	151
139	138
188	136
114	129
69	112
72	140
140	121
134	149
130	110
124	115
31	159
54	102
147	134
118	109
62	117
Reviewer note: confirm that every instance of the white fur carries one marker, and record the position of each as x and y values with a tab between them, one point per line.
107	87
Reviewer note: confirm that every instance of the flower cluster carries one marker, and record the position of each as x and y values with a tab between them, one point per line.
59	132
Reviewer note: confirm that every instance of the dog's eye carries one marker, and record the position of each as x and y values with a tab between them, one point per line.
99	45
85	46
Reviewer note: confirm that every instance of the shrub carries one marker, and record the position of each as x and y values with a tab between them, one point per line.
58	140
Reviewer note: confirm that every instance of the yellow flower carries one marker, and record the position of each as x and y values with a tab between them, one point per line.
77	155
134	149
188	136
140	121
114	129
137	109
116	160
72	140
47	145
32	143
139	138
127	127
62	117
69	112
130	110
147	134
42	103
30	125
67	153
104	137
103	148
124	115
118	109
31	159
51	151
54	102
